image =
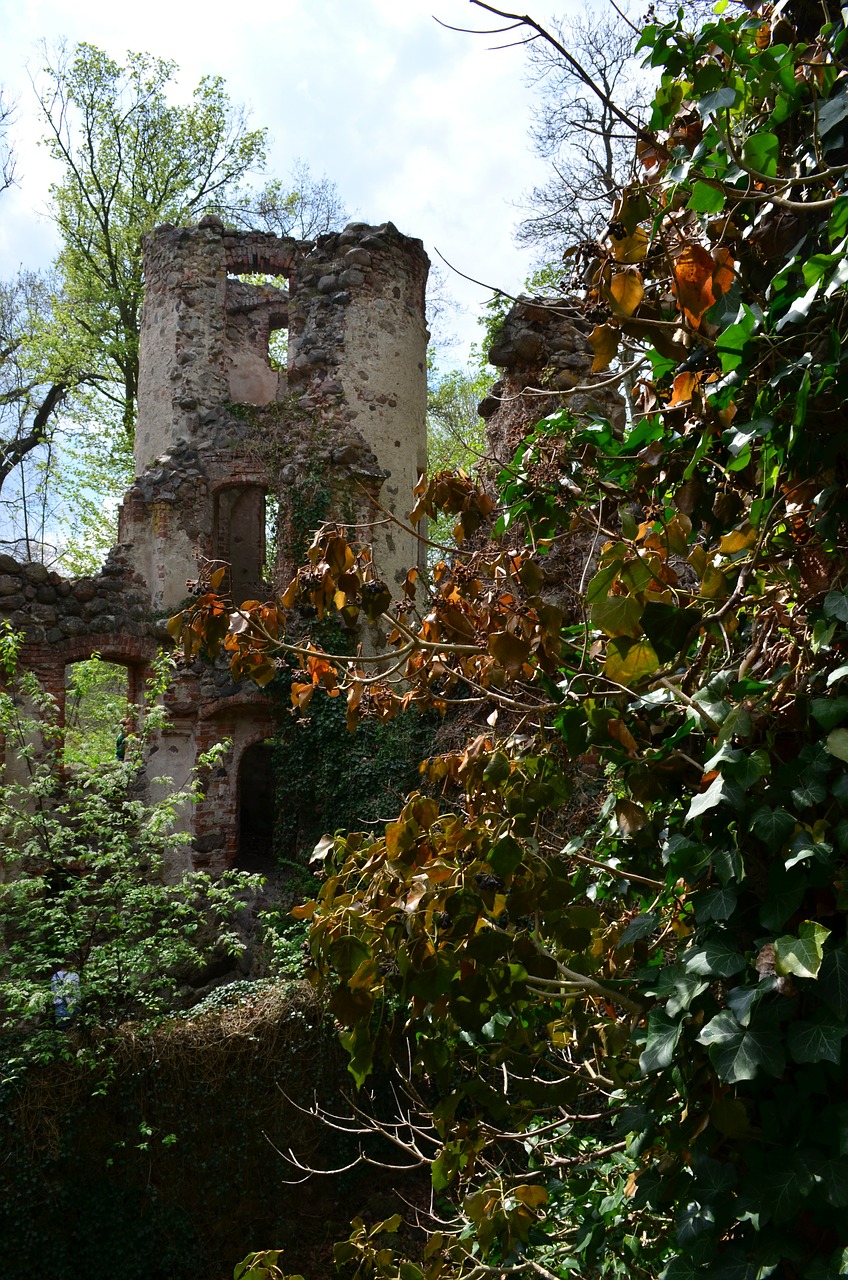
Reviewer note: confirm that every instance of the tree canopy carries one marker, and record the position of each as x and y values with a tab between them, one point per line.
131	160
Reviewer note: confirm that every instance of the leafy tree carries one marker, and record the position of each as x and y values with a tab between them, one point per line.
608	951
301	206
575	129
83	885
7	155
130	160
31	396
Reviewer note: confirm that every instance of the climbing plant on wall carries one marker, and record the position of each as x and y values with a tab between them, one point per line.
625	1016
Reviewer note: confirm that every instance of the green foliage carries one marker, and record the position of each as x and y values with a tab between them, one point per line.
621	1023
95	706
706	675
352	780
455	432
131	160
84	859
171	1167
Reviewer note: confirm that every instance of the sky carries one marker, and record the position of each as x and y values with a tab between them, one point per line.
414	123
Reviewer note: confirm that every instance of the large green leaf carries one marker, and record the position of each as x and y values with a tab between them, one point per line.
720	791
833	980
816	1041
641	926
668	627
679	989
801	956
772	826
741	1053
781	1186
617	616
716	957
761	151
785	894
715	904
663	1035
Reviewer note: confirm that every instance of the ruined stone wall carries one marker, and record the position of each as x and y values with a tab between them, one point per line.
544	352
338	434
546	361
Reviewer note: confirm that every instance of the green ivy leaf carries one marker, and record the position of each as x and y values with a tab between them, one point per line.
816	1041
801	956
693	1221
804	847
720	791
833	1176
716	957
772	826
740	1053
780	1191
761	151
505	856
836	605
639	927
715	904
718	100
786	891
829	712
617	616
742	1001
732	343
837	225
667	627
833	981
663	1035
706	198
679	989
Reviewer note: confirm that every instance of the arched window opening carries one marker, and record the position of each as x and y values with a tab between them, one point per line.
256	806
96	711
240	539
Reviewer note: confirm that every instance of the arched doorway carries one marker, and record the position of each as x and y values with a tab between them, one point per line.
256	803
96	710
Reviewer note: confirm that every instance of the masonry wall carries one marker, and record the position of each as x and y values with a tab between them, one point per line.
339	434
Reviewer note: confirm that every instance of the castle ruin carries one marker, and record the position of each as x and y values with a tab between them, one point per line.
225	437
235	450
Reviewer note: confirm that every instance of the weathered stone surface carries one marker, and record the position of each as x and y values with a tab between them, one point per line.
36	572
219	428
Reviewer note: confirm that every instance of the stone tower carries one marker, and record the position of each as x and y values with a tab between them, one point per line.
234	449
221	430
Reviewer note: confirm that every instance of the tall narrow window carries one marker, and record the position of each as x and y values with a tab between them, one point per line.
256	803
240	538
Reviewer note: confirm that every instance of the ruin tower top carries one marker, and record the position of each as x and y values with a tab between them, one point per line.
214	406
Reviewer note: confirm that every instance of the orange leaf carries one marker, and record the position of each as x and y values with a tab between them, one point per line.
301	694
604	342
693	282
626	292
618	729
682	388
725	271
649	158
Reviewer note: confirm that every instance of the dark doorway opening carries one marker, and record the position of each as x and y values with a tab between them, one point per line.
240	538
256	809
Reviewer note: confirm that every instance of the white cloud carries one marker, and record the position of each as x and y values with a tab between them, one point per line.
414	123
